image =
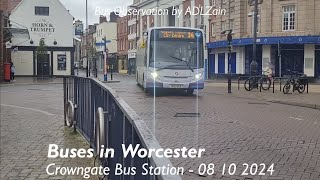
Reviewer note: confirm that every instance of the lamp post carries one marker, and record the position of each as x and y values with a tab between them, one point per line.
229	40
105	75
254	64
87	28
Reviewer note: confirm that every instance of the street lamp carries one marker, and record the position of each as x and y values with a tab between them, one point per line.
87	28
229	40
254	64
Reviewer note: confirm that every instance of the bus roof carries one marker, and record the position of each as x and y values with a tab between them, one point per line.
172	27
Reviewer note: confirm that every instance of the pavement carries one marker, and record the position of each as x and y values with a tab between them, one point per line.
232	130
308	100
242	127
31	119
33	81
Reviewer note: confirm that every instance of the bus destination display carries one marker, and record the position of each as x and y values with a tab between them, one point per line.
177	35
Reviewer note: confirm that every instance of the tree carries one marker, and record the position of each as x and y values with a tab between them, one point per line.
41	54
41	50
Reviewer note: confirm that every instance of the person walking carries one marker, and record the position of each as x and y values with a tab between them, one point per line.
13	71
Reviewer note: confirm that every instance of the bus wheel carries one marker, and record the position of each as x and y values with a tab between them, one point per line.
190	91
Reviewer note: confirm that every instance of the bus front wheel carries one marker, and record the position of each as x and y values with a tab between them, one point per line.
190	91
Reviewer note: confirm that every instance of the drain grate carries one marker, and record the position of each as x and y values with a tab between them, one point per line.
35	89
187	115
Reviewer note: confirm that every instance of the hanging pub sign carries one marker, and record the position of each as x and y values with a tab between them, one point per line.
62	63
42	28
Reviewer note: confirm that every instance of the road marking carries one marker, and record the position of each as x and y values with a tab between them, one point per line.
190	170
296	118
31	109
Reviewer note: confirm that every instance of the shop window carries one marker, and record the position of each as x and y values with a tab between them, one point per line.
62	63
43	11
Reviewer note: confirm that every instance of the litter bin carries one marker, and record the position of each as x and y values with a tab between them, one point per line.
7	72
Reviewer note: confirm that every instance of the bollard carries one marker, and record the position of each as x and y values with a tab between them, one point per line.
273	86
238	83
111	72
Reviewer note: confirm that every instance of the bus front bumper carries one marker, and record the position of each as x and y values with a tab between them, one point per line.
165	85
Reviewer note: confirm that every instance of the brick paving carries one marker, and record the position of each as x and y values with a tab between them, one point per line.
311	99
232	130
31	119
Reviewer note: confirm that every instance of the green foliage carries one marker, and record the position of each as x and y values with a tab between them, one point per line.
41	49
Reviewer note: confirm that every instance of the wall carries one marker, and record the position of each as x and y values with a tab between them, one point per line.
309	59
23	62
109	30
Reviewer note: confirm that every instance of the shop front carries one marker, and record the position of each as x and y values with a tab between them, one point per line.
297	53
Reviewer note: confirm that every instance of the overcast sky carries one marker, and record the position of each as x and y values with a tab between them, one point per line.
78	8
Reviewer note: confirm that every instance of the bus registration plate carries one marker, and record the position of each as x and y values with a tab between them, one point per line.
175	85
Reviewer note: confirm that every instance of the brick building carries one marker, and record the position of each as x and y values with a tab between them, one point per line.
122	44
292	26
6	6
87	44
132	40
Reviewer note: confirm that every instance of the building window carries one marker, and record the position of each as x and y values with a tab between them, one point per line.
43	11
258	21
232	9
231	24
196	21
213	29
288	21
223	25
212	2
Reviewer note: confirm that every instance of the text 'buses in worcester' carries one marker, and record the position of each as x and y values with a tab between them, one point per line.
171	58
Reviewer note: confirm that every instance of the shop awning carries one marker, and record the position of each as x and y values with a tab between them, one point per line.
18	32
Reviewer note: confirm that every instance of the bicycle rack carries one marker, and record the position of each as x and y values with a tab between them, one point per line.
239	78
281	78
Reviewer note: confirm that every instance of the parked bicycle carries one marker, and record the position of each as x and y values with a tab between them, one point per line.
297	81
254	81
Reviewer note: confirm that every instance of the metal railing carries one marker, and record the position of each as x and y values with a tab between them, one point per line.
273	81
94	100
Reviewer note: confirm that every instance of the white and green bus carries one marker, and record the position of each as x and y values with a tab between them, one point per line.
171	58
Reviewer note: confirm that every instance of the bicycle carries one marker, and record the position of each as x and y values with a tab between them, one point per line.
254	81
296	81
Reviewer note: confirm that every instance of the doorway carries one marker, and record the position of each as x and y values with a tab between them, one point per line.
43	65
317	64
211	65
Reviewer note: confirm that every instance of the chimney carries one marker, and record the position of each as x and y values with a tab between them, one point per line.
113	17
102	19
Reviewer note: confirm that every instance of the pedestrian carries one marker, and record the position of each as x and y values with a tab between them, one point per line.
129	67
12	70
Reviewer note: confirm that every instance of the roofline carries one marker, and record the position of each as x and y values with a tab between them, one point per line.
16	7
76	38
64	8
173	27
49	0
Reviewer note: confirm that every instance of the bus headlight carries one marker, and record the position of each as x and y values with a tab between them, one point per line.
154	75
198	76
